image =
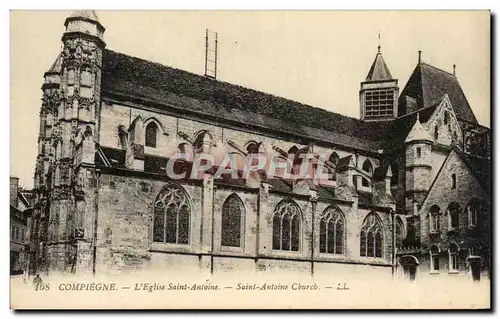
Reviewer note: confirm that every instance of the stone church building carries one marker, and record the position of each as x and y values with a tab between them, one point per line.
407	193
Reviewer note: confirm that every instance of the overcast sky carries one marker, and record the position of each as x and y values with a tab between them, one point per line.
315	57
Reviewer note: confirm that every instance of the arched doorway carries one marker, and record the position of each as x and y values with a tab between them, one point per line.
409	264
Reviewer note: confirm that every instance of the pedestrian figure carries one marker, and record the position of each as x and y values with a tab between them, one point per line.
37	281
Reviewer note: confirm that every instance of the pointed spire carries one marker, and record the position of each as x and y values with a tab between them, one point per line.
56	66
418	133
379	70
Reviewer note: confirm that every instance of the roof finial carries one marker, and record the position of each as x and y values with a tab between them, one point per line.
419	56
418	116
454	67
378	42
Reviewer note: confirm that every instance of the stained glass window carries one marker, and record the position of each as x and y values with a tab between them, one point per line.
286	226
171	216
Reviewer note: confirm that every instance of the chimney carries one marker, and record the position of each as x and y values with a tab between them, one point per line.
14	186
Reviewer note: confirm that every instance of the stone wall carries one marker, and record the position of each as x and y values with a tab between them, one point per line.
125	220
442	194
113	115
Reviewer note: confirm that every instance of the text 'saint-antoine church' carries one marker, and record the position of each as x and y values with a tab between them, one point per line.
408	192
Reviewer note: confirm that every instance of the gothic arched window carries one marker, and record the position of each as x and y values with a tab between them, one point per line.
286	226
253	147
171	216
293	150
434	219
368	168
294	164
334	159
371	237
473	211
151	132
434	256
331	230
453	252
233	211
400	232
453	213
203	142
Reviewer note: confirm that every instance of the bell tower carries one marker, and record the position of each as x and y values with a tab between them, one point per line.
65	176
378	94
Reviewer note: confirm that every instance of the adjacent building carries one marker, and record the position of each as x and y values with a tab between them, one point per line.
407	192
21	209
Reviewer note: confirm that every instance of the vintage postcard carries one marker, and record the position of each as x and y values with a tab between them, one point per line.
250	160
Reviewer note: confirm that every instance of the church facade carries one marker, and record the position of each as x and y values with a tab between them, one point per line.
406	191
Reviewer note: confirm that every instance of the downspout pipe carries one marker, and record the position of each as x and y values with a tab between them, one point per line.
313	204
213	229
393	221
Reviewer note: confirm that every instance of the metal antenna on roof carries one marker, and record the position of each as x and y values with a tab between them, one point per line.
211	54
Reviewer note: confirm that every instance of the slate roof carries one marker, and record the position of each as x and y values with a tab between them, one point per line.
480	167
344	162
327	193
56	66
163	87
136	78
115	157
84	14
379	70
428	84
399	129
155	164
365	198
